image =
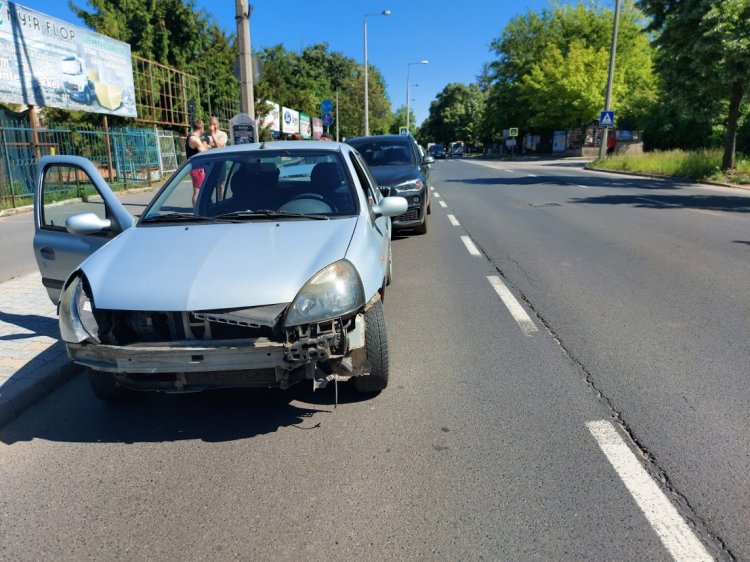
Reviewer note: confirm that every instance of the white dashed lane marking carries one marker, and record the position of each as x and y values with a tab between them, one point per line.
436	194
671	529
442	203
470	246
454	220
514	307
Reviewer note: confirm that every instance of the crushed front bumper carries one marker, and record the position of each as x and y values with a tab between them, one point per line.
190	365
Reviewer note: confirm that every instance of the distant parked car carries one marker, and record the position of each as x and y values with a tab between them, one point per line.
273	276
437	151
397	164
457	149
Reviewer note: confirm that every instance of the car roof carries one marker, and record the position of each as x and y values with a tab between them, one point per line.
380	137
279	145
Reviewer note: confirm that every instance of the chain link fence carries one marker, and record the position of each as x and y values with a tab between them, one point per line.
125	157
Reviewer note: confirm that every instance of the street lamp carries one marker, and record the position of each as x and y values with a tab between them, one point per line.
408	69
367	100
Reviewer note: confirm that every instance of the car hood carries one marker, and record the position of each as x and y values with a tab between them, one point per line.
393	175
213	266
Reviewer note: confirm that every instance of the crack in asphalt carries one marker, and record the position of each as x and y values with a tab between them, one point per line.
711	539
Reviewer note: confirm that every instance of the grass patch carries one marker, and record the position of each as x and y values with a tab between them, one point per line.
698	165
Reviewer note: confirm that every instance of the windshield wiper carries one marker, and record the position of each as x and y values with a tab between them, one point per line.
178	217
268	214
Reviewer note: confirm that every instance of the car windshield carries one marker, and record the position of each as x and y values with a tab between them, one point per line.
262	184
385	152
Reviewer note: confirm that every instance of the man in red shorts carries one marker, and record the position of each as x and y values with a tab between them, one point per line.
193	145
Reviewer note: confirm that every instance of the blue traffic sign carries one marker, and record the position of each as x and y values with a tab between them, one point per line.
326	106
607	119
403	131
327	119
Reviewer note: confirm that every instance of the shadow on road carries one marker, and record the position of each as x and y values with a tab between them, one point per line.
727	203
74	415
35	324
587	180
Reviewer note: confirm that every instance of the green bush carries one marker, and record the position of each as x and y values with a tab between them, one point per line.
699	165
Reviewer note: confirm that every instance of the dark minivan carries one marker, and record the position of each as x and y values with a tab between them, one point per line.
397	165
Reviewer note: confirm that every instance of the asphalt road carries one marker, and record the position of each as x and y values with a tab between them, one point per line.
574	389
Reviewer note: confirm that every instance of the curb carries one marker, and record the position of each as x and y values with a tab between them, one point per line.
668	178
18	396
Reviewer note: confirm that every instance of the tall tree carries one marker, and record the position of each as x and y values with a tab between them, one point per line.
455	114
399	120
551	68
703	56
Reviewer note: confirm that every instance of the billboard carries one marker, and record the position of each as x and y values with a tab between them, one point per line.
290	121
47	62
272	119
317	128
305	127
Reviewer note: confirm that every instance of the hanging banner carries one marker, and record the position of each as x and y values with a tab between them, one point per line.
47	62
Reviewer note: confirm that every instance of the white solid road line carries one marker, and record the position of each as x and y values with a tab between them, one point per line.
470	246
511	171
454	220
671	529
584	186
442	203
514	307
531	175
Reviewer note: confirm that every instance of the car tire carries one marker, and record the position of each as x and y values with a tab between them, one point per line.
429	208
422	228
376	349
105	386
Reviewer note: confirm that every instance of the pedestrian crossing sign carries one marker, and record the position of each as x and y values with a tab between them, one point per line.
607	119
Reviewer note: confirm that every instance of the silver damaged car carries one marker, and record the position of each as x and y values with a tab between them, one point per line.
259	265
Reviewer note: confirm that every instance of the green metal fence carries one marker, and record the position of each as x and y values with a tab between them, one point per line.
125	157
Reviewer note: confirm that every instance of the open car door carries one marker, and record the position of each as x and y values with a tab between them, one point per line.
75	214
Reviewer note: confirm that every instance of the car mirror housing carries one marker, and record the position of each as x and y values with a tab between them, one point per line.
86	223
391	207
428	160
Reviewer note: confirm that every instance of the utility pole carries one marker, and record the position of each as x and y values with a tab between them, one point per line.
611	79
246	62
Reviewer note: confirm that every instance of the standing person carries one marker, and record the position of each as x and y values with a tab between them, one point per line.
193	145
215	138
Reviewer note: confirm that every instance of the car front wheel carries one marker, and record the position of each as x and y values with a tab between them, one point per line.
105	386
376	349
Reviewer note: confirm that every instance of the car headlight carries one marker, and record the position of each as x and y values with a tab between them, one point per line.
334	291
77	322
411	185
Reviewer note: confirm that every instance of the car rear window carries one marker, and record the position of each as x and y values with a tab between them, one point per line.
385	152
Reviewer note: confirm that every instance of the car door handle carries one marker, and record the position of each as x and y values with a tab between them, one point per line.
47	253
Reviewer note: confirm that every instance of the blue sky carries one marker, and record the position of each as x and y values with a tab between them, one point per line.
454	35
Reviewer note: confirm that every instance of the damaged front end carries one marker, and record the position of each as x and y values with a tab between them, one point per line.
193	351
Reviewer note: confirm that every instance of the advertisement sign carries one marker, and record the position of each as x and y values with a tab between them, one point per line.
289	121
559	141
47	62
272	119
305	126
317	128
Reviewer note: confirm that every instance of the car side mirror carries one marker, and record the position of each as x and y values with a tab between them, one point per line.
428	160
390	207
385	191
86	223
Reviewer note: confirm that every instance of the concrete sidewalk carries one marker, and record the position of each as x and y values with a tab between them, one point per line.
33	360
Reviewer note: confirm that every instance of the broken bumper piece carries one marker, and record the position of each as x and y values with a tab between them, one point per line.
191	365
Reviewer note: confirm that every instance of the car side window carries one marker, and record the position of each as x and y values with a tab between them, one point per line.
366	180
65	182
